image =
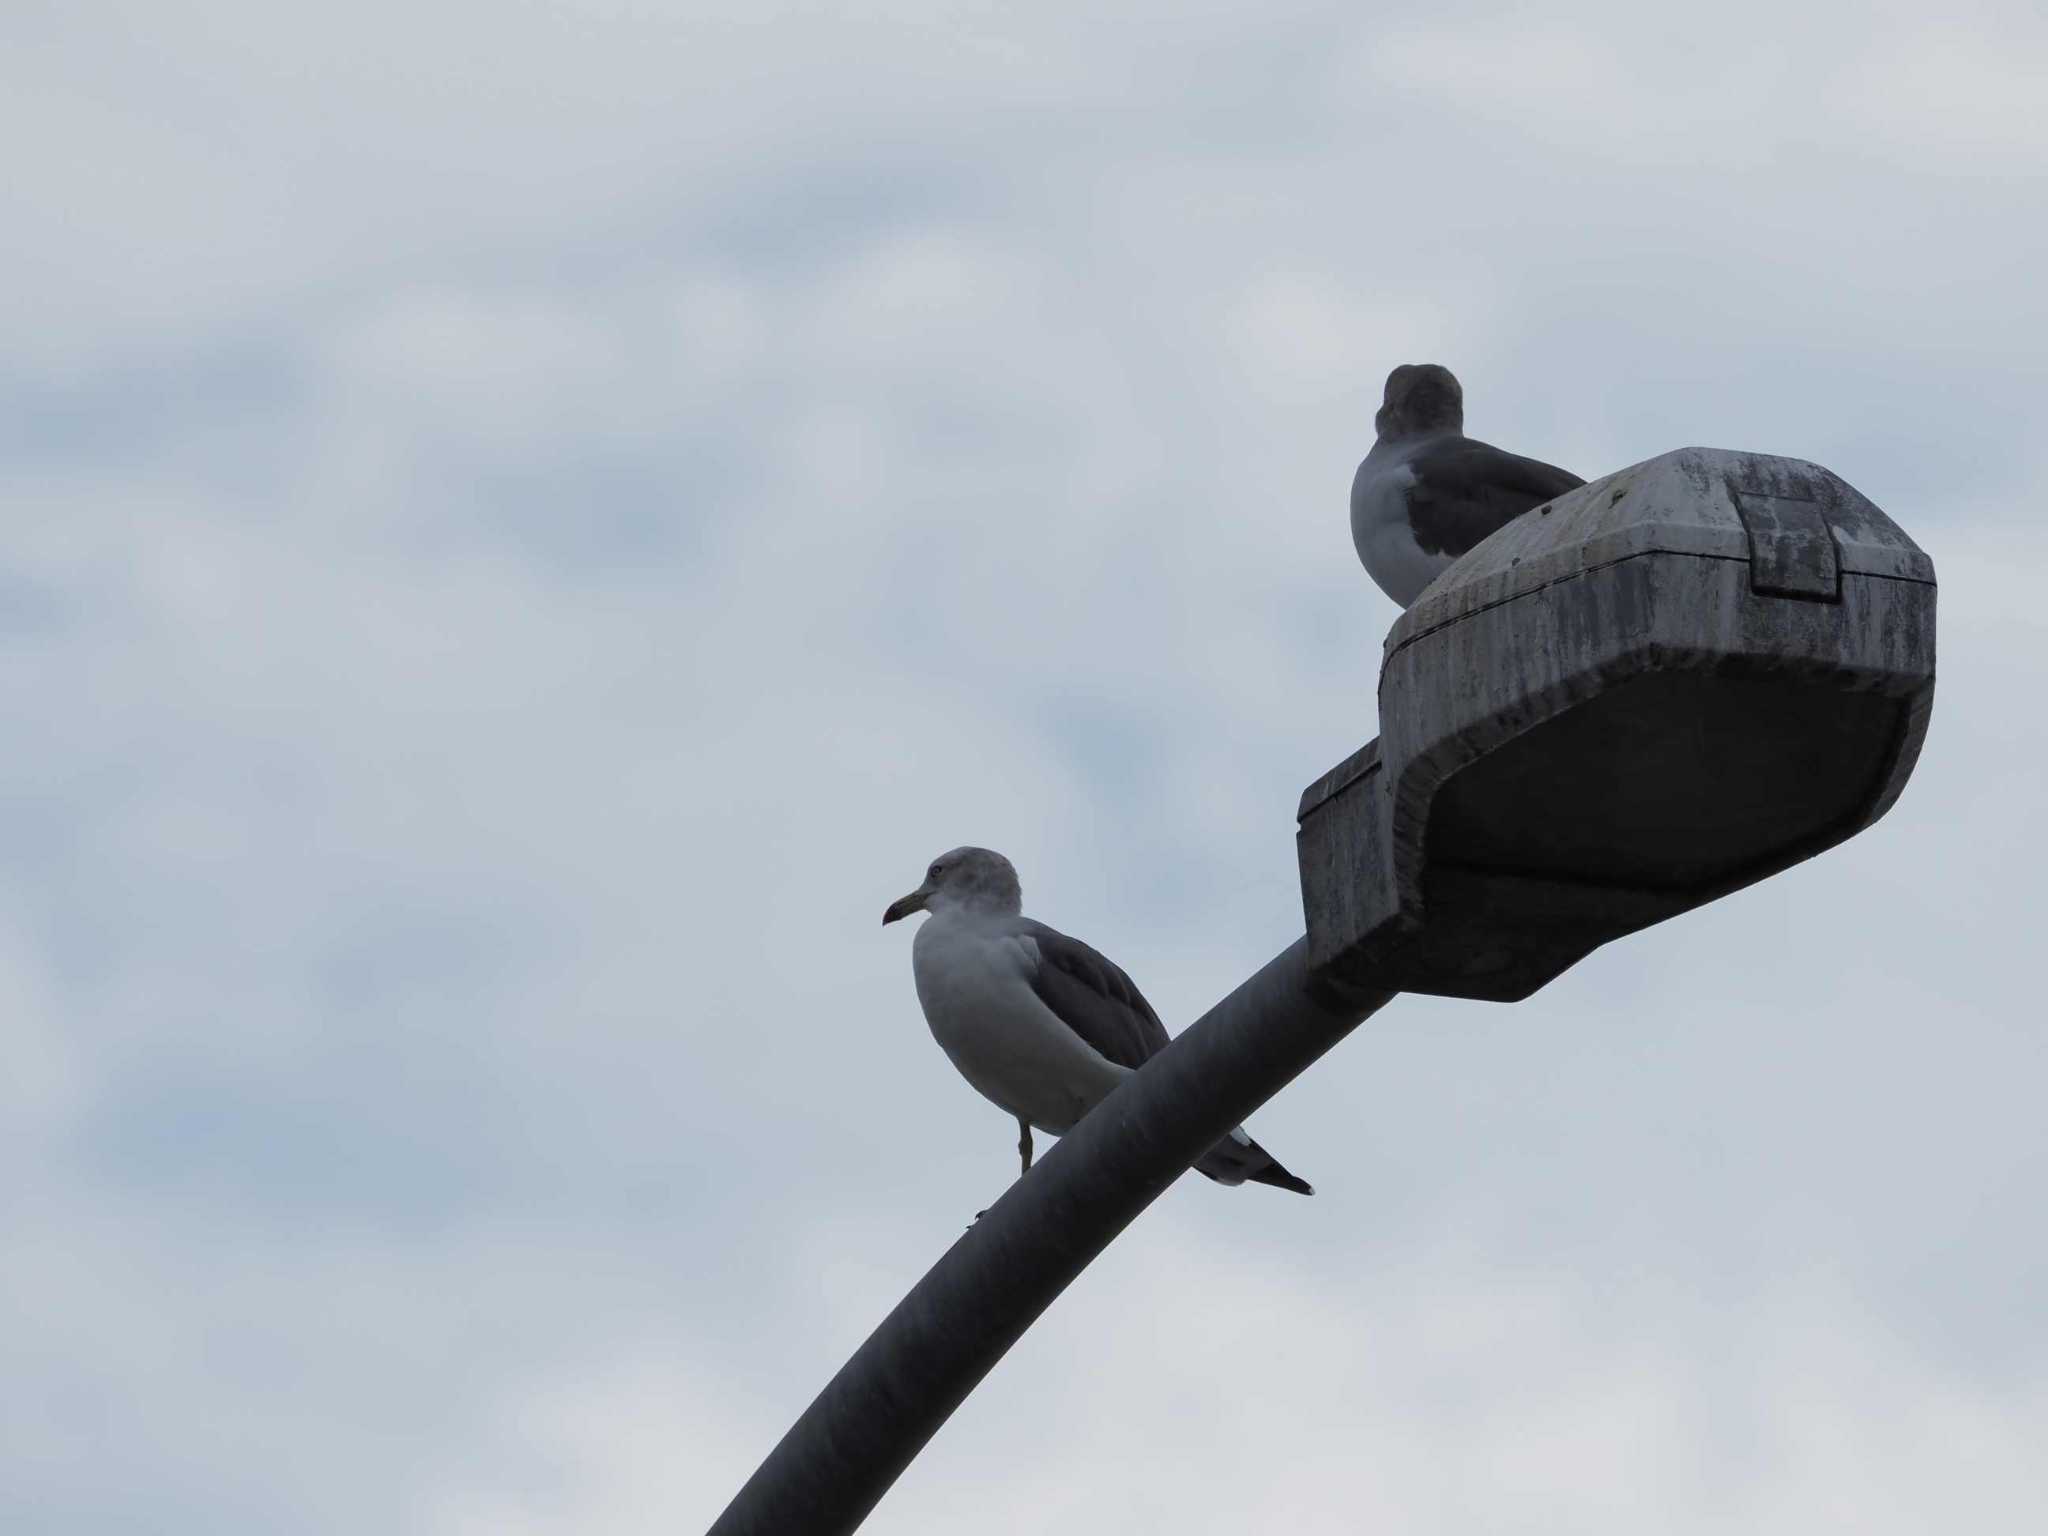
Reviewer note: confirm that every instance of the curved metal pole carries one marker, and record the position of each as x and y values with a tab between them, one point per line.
853	1442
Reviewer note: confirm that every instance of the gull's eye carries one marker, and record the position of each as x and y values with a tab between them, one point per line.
933	872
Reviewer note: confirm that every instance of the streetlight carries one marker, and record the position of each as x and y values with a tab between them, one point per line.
1651	692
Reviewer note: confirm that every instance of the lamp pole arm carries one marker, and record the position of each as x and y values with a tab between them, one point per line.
873	1418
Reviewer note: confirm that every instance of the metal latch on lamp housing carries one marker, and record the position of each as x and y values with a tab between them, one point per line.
1791	547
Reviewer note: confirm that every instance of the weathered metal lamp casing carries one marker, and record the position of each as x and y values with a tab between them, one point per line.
1648	693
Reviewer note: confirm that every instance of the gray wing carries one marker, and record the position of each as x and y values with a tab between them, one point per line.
1092	996
1466	490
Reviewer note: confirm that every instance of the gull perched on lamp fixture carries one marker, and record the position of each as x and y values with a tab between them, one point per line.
1041	1025
1427	493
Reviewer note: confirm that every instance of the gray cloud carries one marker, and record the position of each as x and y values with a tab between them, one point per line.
528	526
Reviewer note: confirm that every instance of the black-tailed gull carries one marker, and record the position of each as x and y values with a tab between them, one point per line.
1427	492
1040	1024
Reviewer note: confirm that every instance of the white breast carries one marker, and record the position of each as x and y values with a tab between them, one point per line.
1382	534
973	983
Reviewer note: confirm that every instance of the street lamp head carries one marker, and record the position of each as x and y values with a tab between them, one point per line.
1658	688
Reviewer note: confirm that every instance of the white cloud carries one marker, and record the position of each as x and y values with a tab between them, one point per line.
42	1085
1232	1395
1302	334
529	525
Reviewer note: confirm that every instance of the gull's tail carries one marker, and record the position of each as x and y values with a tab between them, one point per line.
1237	1159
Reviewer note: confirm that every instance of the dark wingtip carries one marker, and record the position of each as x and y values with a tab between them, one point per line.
1280	1178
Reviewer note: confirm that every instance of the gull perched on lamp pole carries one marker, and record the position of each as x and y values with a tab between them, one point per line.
1427	493
1040	1024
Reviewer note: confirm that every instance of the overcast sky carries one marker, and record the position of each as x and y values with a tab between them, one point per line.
528	523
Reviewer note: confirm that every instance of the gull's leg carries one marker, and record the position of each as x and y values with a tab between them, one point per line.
1023	1153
